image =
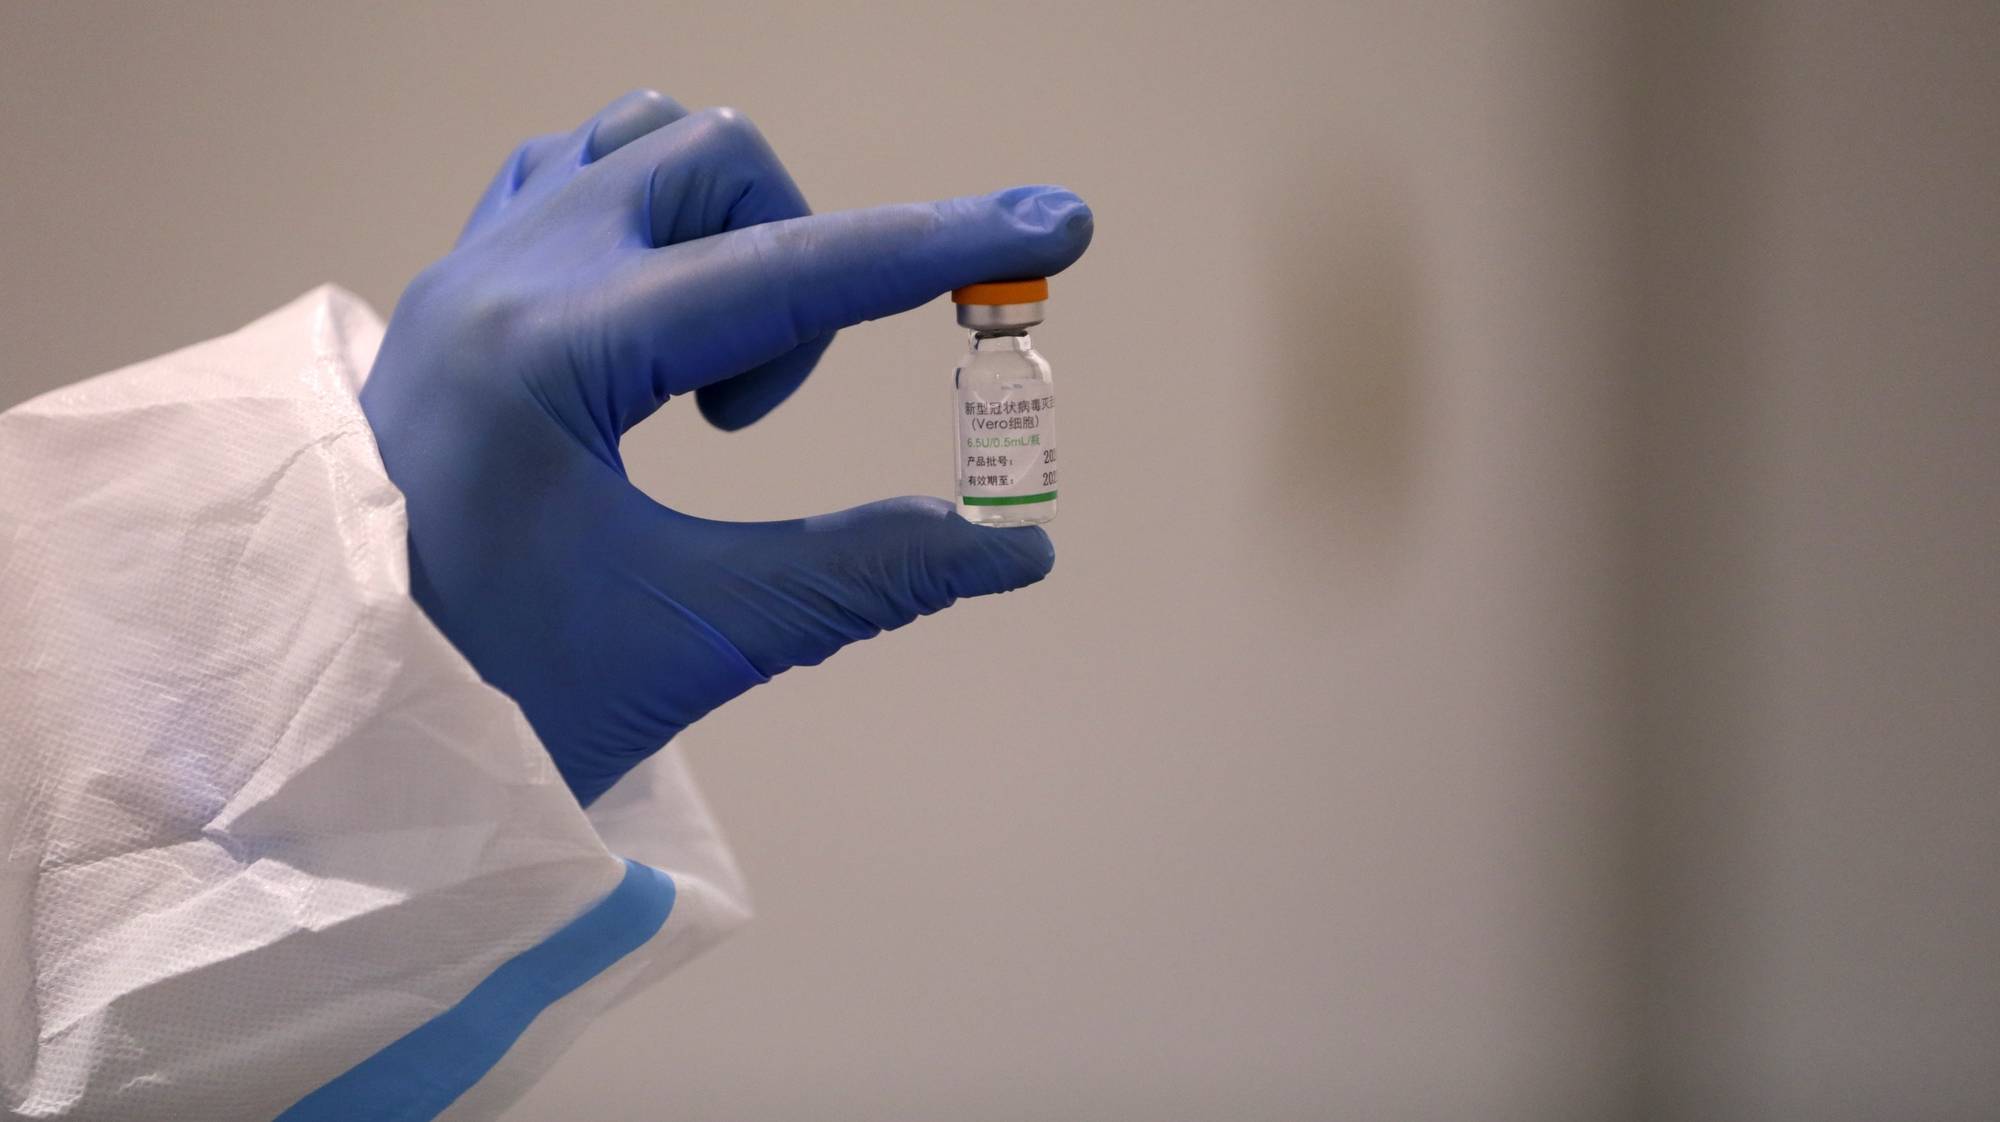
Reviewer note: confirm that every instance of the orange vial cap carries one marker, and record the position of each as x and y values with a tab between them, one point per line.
1031	291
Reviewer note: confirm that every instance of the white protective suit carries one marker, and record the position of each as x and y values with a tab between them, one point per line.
271	848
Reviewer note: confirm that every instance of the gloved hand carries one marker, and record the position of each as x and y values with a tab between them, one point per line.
650	253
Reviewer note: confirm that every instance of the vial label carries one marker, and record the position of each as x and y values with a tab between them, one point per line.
1007	449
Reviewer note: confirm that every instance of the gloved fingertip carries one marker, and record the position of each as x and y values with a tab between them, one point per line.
1064	211
728	412
1055	222
736	403
1033	547
990	560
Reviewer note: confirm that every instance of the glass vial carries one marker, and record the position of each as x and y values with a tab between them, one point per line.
1004	420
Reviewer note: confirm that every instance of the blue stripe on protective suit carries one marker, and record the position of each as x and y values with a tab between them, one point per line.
426	1070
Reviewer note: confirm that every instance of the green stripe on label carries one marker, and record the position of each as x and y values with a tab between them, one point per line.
1007	500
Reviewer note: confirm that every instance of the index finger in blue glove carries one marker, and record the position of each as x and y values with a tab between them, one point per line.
721	305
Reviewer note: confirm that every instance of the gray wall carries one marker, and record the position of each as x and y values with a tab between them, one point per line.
1564	685
1817	581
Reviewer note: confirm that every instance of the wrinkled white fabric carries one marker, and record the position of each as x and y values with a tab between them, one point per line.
258	817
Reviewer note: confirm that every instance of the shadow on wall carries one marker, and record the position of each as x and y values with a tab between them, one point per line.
1699	674
1345	301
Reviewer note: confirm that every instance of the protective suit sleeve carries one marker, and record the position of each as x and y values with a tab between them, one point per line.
269	847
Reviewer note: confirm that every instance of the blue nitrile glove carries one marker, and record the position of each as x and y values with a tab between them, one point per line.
653	252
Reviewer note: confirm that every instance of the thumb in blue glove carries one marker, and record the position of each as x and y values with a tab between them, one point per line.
649	253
